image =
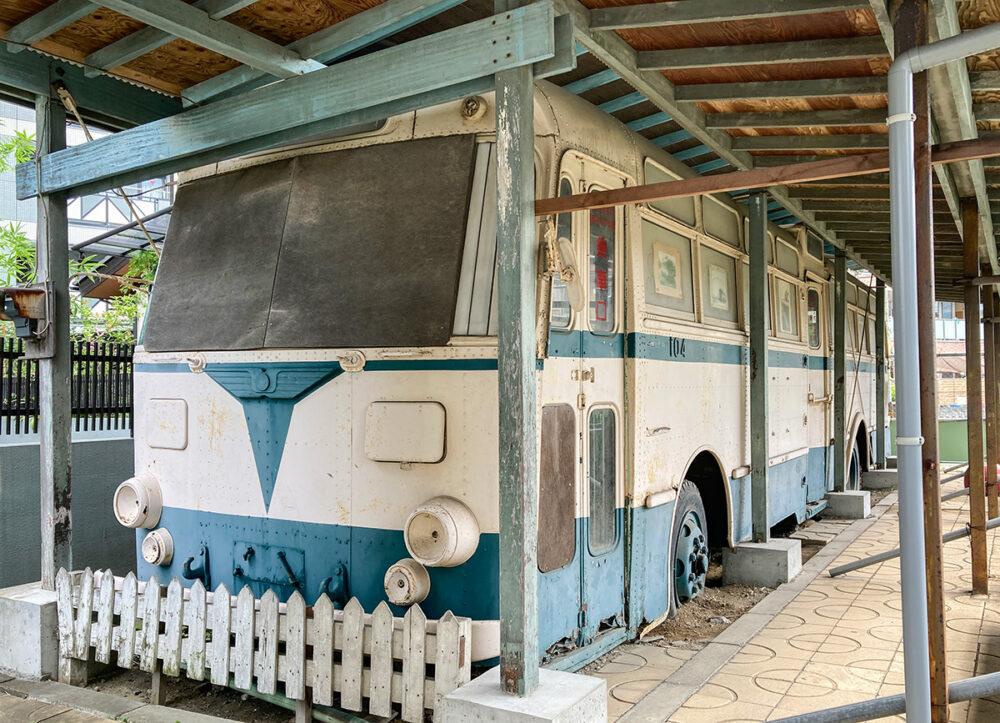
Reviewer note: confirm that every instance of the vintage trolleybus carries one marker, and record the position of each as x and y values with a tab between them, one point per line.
316	393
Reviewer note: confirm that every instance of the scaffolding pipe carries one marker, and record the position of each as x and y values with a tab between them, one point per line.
904	274
891	554
957	493
980	686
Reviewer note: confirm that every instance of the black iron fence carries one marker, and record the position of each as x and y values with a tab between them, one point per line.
101	390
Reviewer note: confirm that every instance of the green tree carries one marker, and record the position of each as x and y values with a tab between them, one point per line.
116	322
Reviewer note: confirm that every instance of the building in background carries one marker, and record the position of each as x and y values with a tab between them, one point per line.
92	215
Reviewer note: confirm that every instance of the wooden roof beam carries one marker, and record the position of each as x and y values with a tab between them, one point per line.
148	39
188	22
608	47
951	101
329	44
779	89
710	11
799	51
798	118
433	69
812	142
828	167
46	22
108	102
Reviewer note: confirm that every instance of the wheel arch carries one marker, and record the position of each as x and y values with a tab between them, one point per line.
705	470
859	435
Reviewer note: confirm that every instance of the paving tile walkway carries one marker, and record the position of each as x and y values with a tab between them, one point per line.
26	710
837	641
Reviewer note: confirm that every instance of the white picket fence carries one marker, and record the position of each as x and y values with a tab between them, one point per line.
212	636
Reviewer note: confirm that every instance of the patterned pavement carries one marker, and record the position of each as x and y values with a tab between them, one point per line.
838	641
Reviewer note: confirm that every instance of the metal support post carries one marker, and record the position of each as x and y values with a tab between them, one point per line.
990	399
910	28
516	372
54	372
759	430
839	371
881	380
974	394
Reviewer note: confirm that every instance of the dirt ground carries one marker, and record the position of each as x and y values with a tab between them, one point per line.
193	696
714	610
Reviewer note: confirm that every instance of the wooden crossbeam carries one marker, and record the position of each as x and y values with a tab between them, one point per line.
812	142
149	39
778	89
797	119
432	69
330	43
106	101
46	22
835	167
709	11
799	51
188	22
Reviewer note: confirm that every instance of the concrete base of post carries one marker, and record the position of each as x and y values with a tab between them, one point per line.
852	505
763	564
560	698
879	479
29	631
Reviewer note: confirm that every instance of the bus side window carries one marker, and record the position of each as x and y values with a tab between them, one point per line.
813	318
602	269
601	474
559	315
557	488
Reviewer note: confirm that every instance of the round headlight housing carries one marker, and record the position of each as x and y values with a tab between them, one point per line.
442	532
158	547
407	583
138	502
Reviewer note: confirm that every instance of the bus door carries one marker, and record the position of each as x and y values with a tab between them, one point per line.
820	395
601	401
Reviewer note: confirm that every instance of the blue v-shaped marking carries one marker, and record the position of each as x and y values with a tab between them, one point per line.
268	393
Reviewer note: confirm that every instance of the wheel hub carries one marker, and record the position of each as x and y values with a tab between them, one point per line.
690	558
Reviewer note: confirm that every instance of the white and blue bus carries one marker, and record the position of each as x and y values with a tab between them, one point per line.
316	390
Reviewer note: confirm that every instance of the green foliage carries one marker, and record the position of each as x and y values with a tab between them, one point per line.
17	265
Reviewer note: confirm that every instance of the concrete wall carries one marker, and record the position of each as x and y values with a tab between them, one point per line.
99	465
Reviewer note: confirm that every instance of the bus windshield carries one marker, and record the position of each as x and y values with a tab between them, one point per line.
351	248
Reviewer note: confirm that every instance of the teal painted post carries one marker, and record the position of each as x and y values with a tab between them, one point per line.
54	372
516	378
759	310
880	378
839	370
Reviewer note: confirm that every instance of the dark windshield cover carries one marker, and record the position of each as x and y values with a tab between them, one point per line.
352	248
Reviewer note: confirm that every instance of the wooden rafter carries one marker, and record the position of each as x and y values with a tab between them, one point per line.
709	11
834	167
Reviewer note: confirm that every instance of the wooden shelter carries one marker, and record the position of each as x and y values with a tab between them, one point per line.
723	85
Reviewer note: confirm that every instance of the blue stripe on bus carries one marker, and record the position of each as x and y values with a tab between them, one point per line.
573	344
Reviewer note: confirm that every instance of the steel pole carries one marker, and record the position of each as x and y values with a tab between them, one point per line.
908	436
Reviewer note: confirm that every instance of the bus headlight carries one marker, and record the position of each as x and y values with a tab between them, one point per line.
442	532
158	547
138	502
406	583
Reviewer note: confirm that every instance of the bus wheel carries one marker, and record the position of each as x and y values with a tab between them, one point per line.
854	468
689	545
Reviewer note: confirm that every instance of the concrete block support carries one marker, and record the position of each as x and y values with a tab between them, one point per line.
29	632
559	698
852	505
879	479
765	564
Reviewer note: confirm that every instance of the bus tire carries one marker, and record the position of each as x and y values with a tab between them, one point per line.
689	546
853	481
